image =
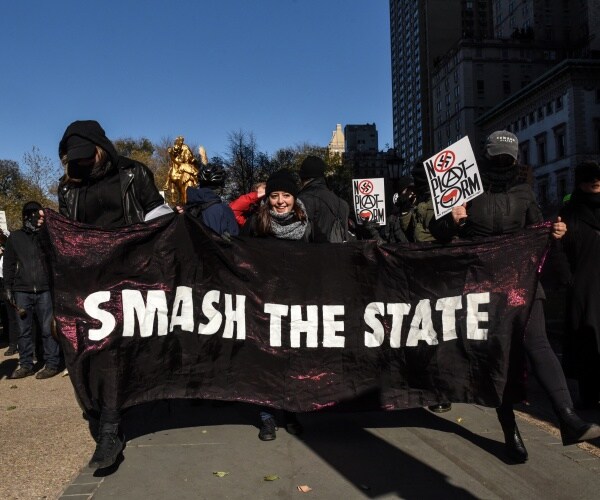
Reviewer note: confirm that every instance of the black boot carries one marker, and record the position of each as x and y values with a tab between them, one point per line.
513	444
110	444
573	429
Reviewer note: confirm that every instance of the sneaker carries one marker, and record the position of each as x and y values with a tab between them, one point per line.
47	372
11	351
21	372
110	444
267	430
442	408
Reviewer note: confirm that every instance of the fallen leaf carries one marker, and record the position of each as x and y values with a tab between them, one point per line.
304	488
11	408
204	431
220	474
271	478
459	419
13	386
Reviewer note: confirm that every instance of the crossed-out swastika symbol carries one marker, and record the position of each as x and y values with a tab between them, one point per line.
365	187
444	161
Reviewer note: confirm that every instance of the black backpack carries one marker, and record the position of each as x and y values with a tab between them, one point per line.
337	233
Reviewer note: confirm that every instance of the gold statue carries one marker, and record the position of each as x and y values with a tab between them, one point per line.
183	172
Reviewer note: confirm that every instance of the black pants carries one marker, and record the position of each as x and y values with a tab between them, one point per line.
544	363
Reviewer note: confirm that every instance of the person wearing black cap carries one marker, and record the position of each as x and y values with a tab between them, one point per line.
27	286
506	206
102	188
327	212
581	245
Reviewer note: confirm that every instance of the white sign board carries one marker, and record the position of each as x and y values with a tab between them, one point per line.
369	200
3	225
453	177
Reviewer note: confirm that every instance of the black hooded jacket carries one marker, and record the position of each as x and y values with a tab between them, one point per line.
24	266
134	180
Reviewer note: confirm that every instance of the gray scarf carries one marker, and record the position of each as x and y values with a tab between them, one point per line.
287	226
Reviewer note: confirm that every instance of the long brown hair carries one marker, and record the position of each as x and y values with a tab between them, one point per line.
264	217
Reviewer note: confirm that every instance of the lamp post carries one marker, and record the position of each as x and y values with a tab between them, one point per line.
394	164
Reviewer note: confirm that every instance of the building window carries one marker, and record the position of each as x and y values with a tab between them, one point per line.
480	86
540	114
506	87
523	123
559	102
561	185
540	141
531	118
542	191
549	109
524	153
560	141
456	91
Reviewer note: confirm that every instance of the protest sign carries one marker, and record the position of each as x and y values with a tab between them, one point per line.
3	225
453	177
369	200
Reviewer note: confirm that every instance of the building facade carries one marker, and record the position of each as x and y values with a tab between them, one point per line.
361	138
473	77
557	121
421	31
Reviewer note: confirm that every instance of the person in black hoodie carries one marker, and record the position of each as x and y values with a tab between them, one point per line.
104	189
27	286
507	206
581	245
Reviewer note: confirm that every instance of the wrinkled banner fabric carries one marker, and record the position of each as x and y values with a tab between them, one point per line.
168	309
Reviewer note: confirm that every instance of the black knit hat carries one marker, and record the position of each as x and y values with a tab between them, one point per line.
282	180
587	171
420	177
312	167
30	206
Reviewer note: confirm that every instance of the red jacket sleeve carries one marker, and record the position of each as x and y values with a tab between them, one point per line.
242	205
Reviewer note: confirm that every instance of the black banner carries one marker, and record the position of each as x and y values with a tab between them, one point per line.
170	310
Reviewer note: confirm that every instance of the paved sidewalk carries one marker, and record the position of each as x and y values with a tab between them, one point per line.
175	448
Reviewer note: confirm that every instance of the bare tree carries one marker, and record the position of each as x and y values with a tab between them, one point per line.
43	173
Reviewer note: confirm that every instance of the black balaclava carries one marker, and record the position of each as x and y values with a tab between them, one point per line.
31	215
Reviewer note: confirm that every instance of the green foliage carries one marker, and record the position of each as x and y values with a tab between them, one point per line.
17	188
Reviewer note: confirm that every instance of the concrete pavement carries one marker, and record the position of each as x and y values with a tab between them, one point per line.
174	448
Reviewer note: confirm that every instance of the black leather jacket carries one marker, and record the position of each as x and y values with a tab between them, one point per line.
138	192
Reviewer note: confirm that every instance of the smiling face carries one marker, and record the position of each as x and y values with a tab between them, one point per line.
281	202
592	186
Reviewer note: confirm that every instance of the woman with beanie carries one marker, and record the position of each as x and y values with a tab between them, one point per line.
280	215
507	206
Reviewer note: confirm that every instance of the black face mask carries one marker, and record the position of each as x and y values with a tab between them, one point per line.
76	171
30	220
